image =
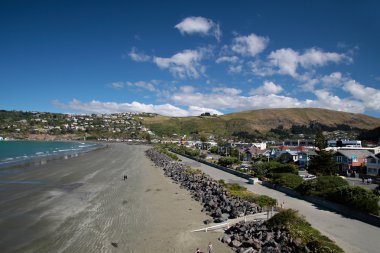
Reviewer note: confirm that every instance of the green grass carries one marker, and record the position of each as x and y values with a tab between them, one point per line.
162	150
298	227
242	192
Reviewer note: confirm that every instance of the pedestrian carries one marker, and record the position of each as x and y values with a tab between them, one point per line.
210	247
363	179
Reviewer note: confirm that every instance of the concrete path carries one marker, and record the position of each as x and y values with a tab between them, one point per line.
352	235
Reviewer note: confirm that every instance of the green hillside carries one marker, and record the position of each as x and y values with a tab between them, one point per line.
258	120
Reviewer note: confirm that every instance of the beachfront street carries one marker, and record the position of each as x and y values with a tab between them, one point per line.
352	235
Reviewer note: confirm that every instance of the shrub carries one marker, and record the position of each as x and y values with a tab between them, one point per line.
275	167
358	197
286	179
321	186
242	192
298	227
264	200
284	219
286	168
227	161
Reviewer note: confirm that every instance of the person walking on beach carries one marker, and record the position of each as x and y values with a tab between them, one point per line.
210	247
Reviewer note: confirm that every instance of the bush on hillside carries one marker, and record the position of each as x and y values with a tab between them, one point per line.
322	186
286	179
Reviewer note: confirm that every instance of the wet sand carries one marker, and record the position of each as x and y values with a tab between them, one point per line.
83	205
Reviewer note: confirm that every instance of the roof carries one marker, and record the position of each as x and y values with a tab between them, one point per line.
351	153
309	152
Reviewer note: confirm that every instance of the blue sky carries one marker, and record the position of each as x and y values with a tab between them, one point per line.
182	58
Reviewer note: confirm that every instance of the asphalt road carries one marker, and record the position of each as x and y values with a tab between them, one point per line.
351	235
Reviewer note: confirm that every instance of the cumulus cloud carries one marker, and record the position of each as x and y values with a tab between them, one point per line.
250	45
327	100
286	60
199	25
232	99
335	79
113	107
267	88
370	97
183	64
139	57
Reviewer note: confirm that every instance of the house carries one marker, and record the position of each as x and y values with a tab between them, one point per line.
351	160
287	156
344	143
247	153
373	165
304	158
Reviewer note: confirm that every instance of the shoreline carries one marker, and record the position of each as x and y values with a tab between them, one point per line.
83	205
40	160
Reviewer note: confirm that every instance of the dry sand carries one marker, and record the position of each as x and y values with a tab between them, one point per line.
83	205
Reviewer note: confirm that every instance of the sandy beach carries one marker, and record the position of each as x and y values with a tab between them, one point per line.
82	204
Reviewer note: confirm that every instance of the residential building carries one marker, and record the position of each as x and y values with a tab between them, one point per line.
351	160
304	157
373	165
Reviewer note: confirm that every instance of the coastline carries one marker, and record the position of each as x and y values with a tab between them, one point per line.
83	205
40	160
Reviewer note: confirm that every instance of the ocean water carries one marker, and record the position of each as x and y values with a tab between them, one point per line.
12	152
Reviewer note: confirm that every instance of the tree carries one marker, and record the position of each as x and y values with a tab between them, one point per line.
323	164
320	140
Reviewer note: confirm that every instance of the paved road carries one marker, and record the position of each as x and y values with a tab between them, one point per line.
352	235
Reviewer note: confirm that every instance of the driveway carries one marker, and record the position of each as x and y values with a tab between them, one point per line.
352	235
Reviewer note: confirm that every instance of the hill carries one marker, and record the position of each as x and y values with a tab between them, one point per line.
259	121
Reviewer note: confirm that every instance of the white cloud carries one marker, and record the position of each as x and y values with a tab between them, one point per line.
183	64
117	85
200	25
326	100
227	91
140	84
113	107
222	99
332	80
187	89
286	60
250	45
139	57
370	97
230	59
315	57
267	88
235	69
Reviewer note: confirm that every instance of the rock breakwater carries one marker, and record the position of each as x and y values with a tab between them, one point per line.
216	201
